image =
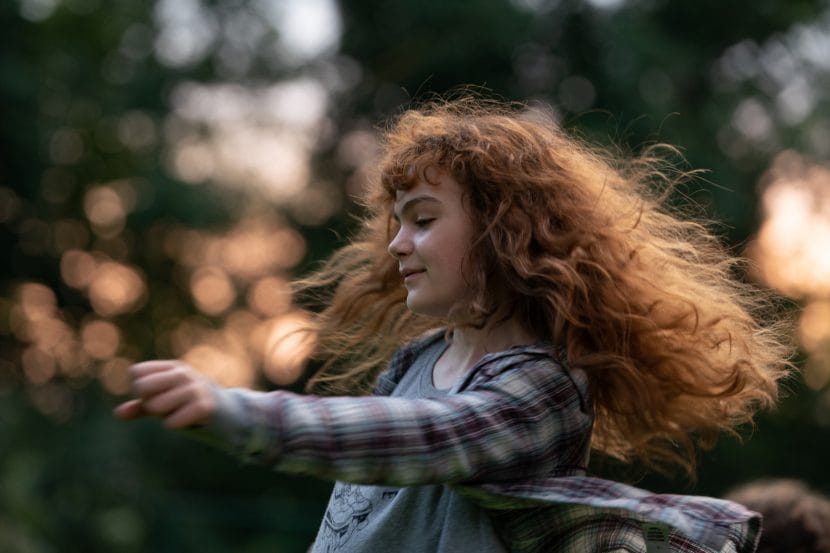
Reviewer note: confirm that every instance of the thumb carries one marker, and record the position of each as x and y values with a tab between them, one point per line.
129	410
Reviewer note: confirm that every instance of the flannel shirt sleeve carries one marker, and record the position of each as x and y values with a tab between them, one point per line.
517	419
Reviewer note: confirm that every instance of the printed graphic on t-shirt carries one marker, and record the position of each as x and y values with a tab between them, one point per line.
348	513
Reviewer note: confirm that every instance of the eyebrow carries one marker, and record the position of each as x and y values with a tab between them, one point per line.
411	203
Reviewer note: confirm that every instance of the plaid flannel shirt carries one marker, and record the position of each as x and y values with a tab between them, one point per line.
513	435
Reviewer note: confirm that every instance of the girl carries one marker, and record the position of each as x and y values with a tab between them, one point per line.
549	304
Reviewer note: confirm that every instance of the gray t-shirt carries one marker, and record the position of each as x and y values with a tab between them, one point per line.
430	518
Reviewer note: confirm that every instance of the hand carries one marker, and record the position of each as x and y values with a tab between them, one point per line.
171	390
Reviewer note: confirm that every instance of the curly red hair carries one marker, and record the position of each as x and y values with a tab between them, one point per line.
593	259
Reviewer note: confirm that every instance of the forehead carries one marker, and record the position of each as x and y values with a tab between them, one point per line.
434	184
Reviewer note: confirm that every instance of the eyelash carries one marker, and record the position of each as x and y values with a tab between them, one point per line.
424	222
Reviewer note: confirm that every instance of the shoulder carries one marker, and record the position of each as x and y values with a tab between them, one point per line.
532	369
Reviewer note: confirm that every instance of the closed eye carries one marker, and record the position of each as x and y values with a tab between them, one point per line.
424	222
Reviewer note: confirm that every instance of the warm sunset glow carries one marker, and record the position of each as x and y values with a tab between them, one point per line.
187	333
116	289
358	151
255	248
114	376
50	333
240	326
105	210
814	334
274	160
193	161
269	296
223	363
78	268
38	366
814	326
317	204
73	360
100	339
113	288
256	138
212	290
793	251
793	244
36	301
53	344
258	248
817	369
185	246
285	344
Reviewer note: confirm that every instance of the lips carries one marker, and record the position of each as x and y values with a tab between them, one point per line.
406	273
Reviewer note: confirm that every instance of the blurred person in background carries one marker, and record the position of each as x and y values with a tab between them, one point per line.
796	519
514	300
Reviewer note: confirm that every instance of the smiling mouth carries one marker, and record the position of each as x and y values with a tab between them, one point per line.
410	275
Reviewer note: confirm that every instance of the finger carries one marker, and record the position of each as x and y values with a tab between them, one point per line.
163	380
145	368
165	403
129	410
192	414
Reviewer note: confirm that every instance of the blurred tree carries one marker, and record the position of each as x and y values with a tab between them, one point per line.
166	167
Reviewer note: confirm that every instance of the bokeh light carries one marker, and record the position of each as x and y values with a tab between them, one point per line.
285	344
78	268
814	327
101	339
38	366
37	301
256	247
52	345
793	250
240	326
116	289
212	290
223	361
269	296
114	375
187	333
793	242
105	210
260	139
814	333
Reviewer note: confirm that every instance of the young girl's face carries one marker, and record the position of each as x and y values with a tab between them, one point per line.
433	240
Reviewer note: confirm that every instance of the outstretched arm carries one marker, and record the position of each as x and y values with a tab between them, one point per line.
522	420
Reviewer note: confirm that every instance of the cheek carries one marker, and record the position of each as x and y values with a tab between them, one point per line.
463	246
458	257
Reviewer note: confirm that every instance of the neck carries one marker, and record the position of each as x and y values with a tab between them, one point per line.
491	338
468	345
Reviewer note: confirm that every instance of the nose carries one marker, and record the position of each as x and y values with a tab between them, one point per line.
400	245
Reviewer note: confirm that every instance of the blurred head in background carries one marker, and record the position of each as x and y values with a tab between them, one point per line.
796	519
